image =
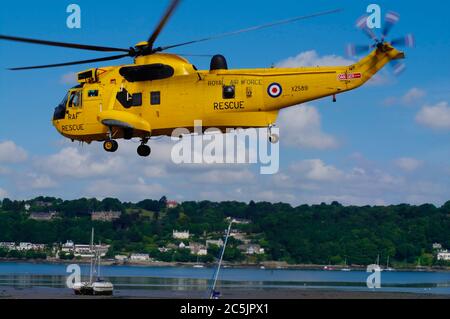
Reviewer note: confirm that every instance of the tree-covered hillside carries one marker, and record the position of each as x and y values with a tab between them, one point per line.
318	234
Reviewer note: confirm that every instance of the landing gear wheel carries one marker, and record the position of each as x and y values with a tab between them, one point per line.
110	146
144	150
274	138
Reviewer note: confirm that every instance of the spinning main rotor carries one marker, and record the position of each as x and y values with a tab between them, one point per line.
147	47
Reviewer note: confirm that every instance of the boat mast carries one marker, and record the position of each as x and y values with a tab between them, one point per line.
98	258
92	265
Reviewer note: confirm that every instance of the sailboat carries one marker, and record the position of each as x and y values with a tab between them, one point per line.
99	286
198	264
378	263
346	268
387	266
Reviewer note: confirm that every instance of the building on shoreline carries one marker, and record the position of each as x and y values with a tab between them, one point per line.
140	257
84	251
121	258
251	249
198	249
43	217
180	234
23	246
105	216
171	204
238	221
8	245
443	255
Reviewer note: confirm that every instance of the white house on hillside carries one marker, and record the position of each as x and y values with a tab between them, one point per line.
139	257
180	234
443	255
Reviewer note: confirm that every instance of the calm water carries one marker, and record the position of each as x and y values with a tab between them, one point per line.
23	275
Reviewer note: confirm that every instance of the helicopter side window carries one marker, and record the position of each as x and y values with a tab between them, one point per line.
136	99
75	99
92	93
155	98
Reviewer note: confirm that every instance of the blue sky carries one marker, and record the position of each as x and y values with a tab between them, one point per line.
387	142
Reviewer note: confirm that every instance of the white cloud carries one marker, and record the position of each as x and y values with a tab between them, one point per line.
411	97
312	58
89	171
36	181
408	164
317	170
155	171
225	176
135	189
380	79
72	162
435	116
69	78
301	127
11	153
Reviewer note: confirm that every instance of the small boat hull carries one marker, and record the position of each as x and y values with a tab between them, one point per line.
94	289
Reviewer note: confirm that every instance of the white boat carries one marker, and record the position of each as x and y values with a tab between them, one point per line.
198	264
387	266
83	288
98	287
101	287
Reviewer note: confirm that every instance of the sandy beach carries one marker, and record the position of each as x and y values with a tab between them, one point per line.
58	293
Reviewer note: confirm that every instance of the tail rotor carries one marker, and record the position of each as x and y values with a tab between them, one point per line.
391	19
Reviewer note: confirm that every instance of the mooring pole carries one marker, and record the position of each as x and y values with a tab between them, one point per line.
216	276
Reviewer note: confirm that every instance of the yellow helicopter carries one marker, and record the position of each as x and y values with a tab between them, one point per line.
161	92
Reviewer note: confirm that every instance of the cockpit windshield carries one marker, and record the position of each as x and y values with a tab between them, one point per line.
60	110
64	100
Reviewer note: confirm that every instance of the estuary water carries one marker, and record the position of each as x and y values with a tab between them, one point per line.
26	275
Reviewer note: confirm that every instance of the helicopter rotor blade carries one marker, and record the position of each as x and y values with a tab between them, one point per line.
63	44
391	19
353	50
406	41
169	12
255	28
398	67
194	55
361	24
115	57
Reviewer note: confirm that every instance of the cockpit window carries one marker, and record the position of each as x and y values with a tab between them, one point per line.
64	101
75	99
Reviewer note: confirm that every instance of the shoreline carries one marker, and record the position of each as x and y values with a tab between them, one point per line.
42	293
271	265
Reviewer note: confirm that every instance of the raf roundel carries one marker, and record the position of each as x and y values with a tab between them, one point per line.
275	90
